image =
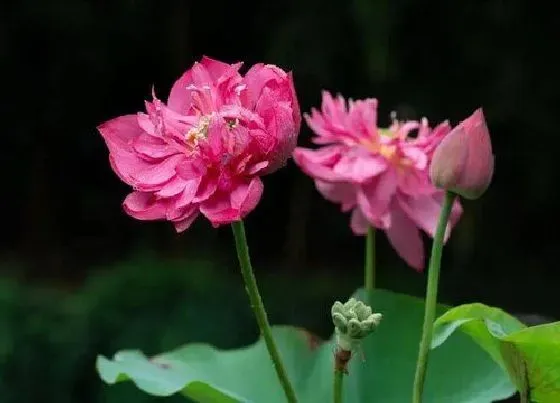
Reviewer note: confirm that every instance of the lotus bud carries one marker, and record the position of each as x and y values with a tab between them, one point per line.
463	162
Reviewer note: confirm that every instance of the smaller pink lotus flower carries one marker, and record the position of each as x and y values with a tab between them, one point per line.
381	175
463	162
205	150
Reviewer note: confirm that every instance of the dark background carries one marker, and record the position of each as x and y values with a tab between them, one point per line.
79	277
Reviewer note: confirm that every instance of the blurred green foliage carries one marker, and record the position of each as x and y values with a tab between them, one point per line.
50	339
385	374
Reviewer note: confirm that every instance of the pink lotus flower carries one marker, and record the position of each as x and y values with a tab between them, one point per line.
204	151
381	175
463	163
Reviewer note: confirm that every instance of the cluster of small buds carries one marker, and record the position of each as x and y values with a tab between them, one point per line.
353	321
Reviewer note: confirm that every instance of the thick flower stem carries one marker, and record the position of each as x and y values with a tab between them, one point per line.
431	298
338	380
369	265
258	308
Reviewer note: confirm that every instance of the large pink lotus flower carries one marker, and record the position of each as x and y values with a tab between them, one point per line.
381	175
205	150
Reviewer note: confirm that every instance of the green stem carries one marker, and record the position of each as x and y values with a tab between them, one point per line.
369	266
338	379
258	308
431	298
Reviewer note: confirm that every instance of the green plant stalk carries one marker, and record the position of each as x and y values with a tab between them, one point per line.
369	265
431	298
338	380
258	308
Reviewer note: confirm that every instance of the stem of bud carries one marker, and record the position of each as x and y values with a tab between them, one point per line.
431	298
338	380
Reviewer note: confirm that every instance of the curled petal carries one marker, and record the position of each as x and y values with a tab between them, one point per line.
424	211
319	163
172	188
144	206
219	71
335	124
261	76
414	182
152	176
188	193
207	187
263	141
183	222
246	196
359	222
334	110
191	168
225	208
317	123
254	169
405	238
279	121
296	111
359	167
362	119
416	156
181	96
430	139
218	210
151	148
374	197
338	192
119	133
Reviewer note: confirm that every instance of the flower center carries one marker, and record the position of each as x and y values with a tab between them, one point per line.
232	123
388	151
386	132
198	132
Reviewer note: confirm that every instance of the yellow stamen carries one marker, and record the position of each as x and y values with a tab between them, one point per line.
389	152
198	132
232	124
386	132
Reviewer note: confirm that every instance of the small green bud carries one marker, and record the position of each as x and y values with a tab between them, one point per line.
353	321
340	322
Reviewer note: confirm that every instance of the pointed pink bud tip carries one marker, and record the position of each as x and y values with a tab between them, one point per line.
463	162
